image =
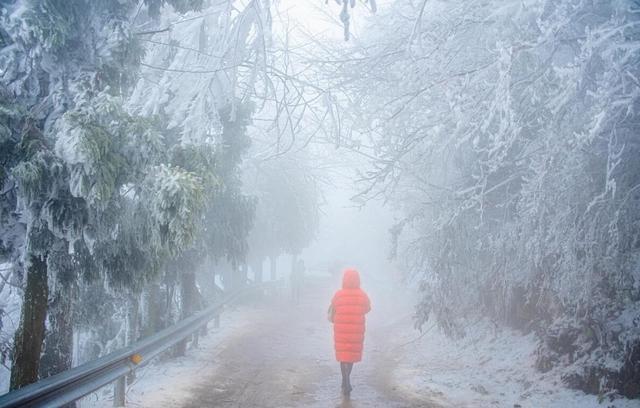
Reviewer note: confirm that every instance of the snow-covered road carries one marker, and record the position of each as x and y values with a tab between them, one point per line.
285	359
274	354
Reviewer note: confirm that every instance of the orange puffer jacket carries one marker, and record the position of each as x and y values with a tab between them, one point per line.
350	305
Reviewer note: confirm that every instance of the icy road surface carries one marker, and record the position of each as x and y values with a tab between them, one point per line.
275	354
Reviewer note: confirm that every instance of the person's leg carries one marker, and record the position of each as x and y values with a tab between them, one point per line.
348	368
345	369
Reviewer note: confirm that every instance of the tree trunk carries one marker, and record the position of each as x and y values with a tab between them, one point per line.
242	274
133	328
257	270
229	278
294	263
58	343
133	332
30	334
273	273
154	308
57	355
188	298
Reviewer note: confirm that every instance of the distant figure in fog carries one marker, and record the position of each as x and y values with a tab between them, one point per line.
297	280
347	310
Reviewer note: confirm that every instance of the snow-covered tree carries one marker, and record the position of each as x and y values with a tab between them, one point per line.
198	76
287	213
74	155
507	133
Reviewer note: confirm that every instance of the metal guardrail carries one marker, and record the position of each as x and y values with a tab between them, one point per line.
74	384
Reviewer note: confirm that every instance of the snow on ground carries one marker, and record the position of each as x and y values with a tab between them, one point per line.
273	354
167	382
279	354
487	368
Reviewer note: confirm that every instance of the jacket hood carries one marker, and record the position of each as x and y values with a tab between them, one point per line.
350	279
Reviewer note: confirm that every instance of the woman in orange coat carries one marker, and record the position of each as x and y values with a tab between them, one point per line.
347	310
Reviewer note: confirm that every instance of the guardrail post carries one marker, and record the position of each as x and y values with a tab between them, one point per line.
118	392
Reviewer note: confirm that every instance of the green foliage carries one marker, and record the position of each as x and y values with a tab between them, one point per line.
199	160
65	215
118	68
38	177
228	221
145	144
229	214
235	140
106	148
106	196
174	197
288	206
52	23
10	242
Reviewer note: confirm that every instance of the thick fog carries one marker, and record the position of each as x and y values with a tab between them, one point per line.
309	203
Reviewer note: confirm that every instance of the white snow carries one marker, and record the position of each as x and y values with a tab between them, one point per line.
166	382
487	368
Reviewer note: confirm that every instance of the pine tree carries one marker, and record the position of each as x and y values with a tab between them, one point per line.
69	136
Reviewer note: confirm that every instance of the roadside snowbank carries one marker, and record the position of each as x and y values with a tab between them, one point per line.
487	368
168	382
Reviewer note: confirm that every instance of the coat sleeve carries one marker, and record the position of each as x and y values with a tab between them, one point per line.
367	303
331	311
